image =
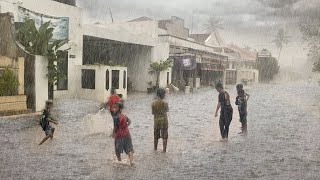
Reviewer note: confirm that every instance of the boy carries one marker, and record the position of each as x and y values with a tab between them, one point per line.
239	87
121	134
113	98
45	121
159	110
247	96
226	111
241	101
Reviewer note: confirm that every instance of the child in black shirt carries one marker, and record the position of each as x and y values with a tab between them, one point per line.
45	121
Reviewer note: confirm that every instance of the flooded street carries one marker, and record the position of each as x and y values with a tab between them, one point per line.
282	142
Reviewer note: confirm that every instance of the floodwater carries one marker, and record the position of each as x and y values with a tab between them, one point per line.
282	143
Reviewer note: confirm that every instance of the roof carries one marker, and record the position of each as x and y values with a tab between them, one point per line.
244	53
143	18
201	38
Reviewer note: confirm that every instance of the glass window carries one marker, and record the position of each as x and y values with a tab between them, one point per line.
88	78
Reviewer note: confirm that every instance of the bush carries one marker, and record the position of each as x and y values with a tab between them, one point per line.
8	83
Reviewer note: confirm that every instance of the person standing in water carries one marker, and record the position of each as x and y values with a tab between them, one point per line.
159	110
225	112
121	134
241	102
247	96
45	121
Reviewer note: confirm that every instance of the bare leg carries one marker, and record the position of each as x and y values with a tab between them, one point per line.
52	132
131	158
45	138
165	141
118	156
155	144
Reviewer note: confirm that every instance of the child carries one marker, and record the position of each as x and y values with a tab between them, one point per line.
241	101
239	87
226	111
121	133
45	121
159	110
113	98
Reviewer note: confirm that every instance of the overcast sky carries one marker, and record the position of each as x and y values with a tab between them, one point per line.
245	22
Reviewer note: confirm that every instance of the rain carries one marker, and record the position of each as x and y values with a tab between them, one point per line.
180	89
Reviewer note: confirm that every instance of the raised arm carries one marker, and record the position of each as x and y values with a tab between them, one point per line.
128	121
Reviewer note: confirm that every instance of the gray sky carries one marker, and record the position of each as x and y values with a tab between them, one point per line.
246	22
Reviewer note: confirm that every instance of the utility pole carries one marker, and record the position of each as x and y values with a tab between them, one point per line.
111	14
192	22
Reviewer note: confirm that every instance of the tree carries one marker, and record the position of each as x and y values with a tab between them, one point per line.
310	28
156	68
39	42
280	40
213	24
268	67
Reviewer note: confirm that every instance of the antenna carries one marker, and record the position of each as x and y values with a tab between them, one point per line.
111	14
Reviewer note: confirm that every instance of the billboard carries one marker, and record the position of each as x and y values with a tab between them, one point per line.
60	24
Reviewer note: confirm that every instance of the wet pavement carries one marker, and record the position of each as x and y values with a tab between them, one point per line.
282	143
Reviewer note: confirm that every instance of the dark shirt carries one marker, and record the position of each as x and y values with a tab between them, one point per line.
44	122
241	101
224	99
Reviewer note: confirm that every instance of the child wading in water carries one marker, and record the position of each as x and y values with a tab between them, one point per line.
121	134
241	101
159	110
45	121
226	111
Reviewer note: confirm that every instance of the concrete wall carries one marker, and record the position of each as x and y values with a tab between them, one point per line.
100	93
41	82
248	74
160	52
57	9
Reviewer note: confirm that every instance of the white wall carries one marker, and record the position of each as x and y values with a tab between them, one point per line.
53	8
100	93
41	82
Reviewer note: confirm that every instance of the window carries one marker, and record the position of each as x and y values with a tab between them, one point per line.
115	79
107	80
124	79
62	66
88	78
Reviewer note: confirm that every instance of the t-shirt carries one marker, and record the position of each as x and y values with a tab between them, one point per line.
159	110
241	101
121	126
44	122
112	100
224	99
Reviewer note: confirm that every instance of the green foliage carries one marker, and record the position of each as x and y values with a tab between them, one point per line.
268	68
8	83
38	42
157	67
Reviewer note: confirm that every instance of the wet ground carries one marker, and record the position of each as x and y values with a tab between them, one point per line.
282	143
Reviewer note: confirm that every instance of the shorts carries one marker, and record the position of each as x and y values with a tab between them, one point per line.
161	127
243	118
49	129
226	115
161	133
123	144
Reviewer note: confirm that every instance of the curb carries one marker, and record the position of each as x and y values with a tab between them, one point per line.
20	116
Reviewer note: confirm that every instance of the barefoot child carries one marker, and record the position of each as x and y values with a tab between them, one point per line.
247	96
225	112
241	101
45	121
159	110
121	133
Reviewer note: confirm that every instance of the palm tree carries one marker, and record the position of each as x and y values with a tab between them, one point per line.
281	40
38	42
157	67
213	24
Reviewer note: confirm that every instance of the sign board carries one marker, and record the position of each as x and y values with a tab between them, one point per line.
264	53
60	24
